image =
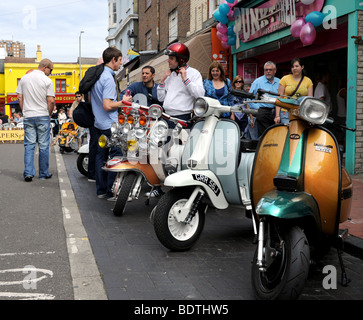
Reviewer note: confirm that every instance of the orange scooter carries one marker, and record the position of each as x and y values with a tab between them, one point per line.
300	194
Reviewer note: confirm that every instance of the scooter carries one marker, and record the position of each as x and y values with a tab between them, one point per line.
216	169
82	160
300	193
141	134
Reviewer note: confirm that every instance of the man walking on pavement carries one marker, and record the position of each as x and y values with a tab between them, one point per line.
267	82
105	106
36	99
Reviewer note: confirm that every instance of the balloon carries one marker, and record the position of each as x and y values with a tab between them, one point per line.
224	9
231	40
225	45
219	17
315	18
222	28
230	16
222	36
307	1
230	30
308	34
296	27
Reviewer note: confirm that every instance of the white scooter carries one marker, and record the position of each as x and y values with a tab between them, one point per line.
216	169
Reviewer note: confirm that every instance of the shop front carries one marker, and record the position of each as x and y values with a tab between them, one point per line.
264	33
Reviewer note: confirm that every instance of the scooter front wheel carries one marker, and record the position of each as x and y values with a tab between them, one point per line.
173	234
287	256
82	164
127	184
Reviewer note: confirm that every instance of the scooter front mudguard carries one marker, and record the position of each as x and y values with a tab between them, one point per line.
288	205
84	149
120	164
203	178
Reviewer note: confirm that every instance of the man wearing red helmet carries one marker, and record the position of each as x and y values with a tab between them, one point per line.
181	84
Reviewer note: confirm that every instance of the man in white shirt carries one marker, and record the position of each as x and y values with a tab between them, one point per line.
321	91
180	85
36	99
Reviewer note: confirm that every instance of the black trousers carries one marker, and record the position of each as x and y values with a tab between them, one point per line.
264	119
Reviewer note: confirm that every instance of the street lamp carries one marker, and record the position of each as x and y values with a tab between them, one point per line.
80	55
132	38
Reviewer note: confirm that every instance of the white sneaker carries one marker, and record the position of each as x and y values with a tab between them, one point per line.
101	196
154	194
112	199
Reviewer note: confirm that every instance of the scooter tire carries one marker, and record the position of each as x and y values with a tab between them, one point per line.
174	235
123	195
82	164
286	277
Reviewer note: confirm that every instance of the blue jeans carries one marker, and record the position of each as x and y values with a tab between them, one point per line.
36	129
104	179
284	117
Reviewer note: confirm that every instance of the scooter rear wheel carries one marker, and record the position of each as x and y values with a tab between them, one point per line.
175	235
287	272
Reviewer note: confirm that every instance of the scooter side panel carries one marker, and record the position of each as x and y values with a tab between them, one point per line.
347	196
144	168
223	157
322	175
267	161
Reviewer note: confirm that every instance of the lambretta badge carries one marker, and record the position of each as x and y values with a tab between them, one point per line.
207	181
294	136
323	148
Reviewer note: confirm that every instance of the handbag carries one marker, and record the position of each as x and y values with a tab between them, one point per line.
83	115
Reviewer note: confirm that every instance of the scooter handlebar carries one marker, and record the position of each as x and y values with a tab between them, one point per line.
243	94
261	92
250	111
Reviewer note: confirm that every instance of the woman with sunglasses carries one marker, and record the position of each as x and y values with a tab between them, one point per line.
240	117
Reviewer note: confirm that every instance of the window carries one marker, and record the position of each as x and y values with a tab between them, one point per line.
148	41
61	85
173	25
112	14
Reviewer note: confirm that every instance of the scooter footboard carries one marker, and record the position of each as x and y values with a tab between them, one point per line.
288	205
203	178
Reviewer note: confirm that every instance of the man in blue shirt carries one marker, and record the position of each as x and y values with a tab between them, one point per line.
268	82
105	109
147	87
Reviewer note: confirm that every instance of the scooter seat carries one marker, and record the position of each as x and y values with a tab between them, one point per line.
248	145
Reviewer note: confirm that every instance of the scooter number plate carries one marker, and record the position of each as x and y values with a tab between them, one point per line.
207	181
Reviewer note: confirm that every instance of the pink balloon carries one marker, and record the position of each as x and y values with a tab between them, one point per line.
222	28
230	15
222	37
308	34
225	45
296	27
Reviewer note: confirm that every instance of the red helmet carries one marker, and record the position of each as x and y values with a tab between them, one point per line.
180	51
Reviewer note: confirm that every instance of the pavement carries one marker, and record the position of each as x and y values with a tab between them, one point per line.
119	258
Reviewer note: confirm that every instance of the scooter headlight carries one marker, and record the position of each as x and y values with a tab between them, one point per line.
102	141
200	107
115	127
126	128
313	110
159	132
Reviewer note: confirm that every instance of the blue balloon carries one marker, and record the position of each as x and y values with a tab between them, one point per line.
224	8
230	31
315	18
232	40
219	17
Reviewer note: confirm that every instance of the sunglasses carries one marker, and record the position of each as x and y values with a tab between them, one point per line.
50	69
239	81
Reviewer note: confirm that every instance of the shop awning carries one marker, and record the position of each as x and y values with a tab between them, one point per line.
200	48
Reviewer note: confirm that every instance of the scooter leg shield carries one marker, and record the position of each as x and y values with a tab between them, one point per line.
204	178
289	205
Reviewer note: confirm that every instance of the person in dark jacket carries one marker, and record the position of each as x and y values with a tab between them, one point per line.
147	86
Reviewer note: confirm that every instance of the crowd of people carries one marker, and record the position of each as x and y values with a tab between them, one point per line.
179	86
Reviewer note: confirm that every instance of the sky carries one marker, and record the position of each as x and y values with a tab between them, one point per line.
56	27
